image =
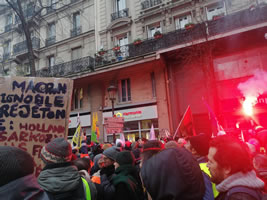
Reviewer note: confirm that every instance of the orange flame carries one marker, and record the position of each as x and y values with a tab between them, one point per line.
248	105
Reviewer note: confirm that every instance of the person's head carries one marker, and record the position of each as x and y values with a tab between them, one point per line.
198	145
82	164
14	164
151	148
124	158
227	156
109	156
260	162
171	144
181	142
57	151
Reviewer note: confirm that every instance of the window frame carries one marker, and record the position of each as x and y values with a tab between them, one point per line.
125	88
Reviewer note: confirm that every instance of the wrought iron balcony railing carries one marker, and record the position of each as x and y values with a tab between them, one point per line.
120	14
8	27
51	40
198	31
76	31
21	47
67	68
150	3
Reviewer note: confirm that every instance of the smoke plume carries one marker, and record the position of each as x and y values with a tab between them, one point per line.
255	86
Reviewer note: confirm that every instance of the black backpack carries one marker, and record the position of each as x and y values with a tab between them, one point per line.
77	194
257	194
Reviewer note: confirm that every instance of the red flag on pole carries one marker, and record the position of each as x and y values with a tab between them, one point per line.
186	126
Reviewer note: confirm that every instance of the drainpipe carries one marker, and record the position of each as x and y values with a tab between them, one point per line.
162	61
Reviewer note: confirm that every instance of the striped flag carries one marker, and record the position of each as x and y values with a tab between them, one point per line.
94	128
77	137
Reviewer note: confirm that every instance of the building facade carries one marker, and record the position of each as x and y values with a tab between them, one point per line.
161	55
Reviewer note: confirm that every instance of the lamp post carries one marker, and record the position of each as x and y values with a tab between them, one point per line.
112	90
112	96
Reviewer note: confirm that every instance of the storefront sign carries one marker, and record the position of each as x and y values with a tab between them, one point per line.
133	114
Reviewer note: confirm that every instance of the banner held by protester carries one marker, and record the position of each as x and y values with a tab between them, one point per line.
33	111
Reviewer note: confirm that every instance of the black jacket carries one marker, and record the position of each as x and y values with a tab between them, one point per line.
173	174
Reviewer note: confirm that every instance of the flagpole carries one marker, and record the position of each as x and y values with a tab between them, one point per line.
180	123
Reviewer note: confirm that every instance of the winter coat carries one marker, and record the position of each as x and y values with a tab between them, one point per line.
127	183
106	175
249	180
262	174
23	188
63	178
173	174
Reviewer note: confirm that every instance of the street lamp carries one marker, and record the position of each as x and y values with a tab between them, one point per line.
112	90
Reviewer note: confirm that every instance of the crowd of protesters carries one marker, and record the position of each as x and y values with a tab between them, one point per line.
194	168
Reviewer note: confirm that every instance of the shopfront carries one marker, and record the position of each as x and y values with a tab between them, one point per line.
137	122
85	119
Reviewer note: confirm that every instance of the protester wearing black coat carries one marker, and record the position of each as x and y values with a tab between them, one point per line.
173	174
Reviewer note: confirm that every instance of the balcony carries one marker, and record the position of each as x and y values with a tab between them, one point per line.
150	3
76	31
179	37
21	48
68	68
120	14
8	27
49	41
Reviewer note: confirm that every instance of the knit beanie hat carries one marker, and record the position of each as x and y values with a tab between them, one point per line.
125	158
56	151
111	152
200	143
14	163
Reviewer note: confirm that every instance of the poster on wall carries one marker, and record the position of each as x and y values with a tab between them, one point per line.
33	111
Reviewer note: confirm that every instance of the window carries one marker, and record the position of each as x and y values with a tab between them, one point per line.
125	90
76	53
215	10
8	19
78	98
27	68
76	20
122	40
51	30
180	22
153	29
7	48
120	5
52	3
153	82
51	61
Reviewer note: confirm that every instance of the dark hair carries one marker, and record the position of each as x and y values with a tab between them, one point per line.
151	148
82	164
232	153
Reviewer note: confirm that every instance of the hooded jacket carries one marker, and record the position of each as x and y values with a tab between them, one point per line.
63	178
127	183
249	180
173	174
23	188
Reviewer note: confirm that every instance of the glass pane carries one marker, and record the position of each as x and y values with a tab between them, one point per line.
123	90
129	89
130	126
146	124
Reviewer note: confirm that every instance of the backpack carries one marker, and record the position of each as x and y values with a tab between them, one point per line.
82	192
257	194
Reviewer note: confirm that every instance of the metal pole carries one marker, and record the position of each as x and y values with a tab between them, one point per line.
112	107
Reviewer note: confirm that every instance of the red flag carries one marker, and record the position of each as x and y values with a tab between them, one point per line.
186	126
